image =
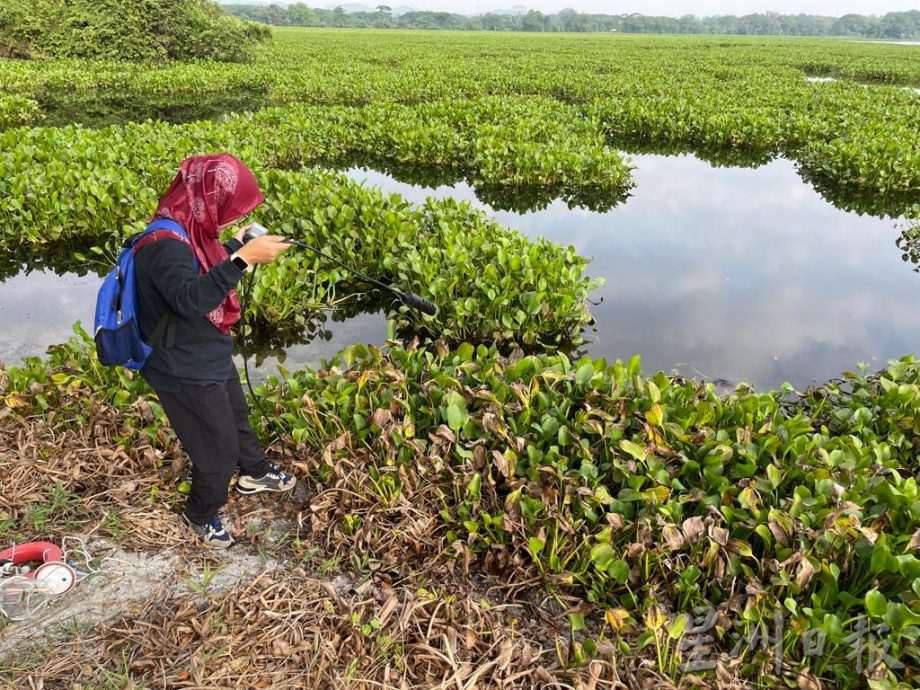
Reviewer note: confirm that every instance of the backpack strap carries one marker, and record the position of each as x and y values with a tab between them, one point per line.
157	235
164	229
167	224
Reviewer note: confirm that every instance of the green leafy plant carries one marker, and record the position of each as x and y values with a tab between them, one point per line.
126	30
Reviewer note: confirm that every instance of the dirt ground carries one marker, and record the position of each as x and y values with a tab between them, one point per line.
122	581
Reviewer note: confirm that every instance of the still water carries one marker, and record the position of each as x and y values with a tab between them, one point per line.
718	273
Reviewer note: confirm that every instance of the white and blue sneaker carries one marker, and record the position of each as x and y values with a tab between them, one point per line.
273	480
212	534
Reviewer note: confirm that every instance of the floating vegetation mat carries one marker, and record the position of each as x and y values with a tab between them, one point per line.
518	115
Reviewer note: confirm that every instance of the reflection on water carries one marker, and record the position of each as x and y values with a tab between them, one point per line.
39	308
359	319
827	80
329	339
520	197
909	244
743	274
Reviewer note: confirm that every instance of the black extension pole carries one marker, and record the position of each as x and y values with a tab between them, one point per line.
410	299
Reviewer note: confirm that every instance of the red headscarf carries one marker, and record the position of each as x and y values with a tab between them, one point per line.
211	191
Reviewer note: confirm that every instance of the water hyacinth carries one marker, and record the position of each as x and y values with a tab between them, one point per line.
643	502
491	284
543	114
647	496
648	491
17	111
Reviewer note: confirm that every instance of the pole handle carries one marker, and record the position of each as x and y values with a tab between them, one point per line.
410	299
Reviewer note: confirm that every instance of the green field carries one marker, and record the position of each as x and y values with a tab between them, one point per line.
481	450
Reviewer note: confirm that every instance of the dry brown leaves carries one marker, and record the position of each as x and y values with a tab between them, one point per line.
286	630
103	482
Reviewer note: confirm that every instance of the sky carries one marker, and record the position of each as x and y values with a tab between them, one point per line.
673	8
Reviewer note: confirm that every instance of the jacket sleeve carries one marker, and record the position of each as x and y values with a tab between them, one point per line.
169	263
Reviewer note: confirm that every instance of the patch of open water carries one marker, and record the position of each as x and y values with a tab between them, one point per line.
830	80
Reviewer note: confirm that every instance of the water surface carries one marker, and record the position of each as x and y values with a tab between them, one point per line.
743	274
39	309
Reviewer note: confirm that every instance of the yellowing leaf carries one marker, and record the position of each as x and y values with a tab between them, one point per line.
634	449
742	548
617	618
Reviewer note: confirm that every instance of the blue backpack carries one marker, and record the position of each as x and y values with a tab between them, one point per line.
116	331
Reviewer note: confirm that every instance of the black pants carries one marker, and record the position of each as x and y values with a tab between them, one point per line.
211	421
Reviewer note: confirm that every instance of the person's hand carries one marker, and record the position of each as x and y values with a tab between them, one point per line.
263	250
242	231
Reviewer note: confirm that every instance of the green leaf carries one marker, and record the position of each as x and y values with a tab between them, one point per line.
773	475
676	627
876	604
645	639
465	352
564	437
584	374
634	449
899	616
577	621
602	555
536	546
882	560
474	488
619	571
634	366
457	416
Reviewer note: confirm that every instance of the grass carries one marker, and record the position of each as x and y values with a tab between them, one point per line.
203	584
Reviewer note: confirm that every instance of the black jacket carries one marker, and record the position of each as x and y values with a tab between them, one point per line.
191	349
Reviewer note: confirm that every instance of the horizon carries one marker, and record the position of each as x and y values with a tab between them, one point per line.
664	8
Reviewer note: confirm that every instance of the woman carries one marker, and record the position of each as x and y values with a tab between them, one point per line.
191	368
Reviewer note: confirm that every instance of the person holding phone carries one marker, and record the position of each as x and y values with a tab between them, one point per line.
186	293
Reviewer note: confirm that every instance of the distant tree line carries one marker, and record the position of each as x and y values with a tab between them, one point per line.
894	25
